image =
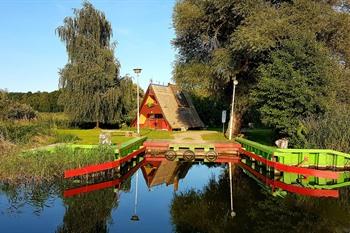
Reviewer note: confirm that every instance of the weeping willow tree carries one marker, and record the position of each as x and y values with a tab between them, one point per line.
89	81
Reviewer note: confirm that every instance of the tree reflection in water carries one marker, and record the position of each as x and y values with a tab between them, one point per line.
207	210
90	212
38	196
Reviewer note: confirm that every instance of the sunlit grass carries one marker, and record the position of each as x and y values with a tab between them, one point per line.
153	134
215	136
91	136
45	166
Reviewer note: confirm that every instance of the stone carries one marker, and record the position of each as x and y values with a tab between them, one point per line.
105	138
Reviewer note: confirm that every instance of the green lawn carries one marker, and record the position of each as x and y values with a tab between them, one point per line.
215	136
157	134
91	136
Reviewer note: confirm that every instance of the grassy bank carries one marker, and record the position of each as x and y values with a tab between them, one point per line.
45	166
215	136
90	136
157	134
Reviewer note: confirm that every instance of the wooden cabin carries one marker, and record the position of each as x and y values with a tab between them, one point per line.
167	108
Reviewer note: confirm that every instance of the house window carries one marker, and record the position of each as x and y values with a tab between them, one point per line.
158	116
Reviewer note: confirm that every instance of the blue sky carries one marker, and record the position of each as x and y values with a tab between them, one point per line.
31	54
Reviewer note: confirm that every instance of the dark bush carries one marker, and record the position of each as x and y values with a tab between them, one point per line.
18	111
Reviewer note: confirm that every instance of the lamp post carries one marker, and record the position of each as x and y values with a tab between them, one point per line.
235	83
135	217
137	71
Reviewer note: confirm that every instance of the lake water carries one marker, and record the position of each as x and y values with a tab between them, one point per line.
171	197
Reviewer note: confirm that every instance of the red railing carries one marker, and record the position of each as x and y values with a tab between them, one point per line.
103	185
292	169
289	187
103	166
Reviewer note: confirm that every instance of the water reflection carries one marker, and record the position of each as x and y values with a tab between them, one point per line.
169	197
206	210
164	172
89	213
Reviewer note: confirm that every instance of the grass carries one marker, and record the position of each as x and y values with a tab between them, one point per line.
157	134
90	136
45	166
215	136
188	139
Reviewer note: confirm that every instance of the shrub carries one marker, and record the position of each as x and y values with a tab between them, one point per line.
22	132
55	120
18	111
331	131
14	110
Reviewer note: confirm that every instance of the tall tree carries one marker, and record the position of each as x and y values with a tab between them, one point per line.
220	40
89	81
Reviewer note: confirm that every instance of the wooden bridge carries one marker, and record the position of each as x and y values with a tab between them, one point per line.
307	172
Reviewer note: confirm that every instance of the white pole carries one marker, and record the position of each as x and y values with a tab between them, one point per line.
232	107
231	196
137	181
138	106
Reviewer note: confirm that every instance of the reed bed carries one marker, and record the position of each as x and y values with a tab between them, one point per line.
39	166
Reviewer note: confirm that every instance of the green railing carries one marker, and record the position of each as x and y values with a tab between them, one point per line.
129	146
321	158
317	182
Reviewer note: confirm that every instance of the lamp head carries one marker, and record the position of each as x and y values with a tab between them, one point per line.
135	218
137	70
235	82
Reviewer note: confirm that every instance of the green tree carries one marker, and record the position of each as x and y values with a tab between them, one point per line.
128	98
296	84
89	80
40	101
238	39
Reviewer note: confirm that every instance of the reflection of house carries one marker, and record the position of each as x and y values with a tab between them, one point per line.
165	172
167	108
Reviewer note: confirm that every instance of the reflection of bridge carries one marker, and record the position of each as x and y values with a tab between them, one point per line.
155	170
306	172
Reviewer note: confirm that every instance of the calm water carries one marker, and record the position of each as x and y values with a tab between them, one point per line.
171	197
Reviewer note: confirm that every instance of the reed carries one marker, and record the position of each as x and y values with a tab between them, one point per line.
41	166
332	131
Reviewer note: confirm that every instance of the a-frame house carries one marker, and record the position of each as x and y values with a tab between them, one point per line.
168	108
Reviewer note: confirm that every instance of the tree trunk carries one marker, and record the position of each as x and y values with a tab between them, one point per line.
236	126
97	125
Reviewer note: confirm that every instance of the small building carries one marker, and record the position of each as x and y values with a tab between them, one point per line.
167	108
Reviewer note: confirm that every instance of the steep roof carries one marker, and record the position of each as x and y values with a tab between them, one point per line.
177	107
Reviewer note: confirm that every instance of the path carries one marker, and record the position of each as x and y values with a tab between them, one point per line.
191	136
